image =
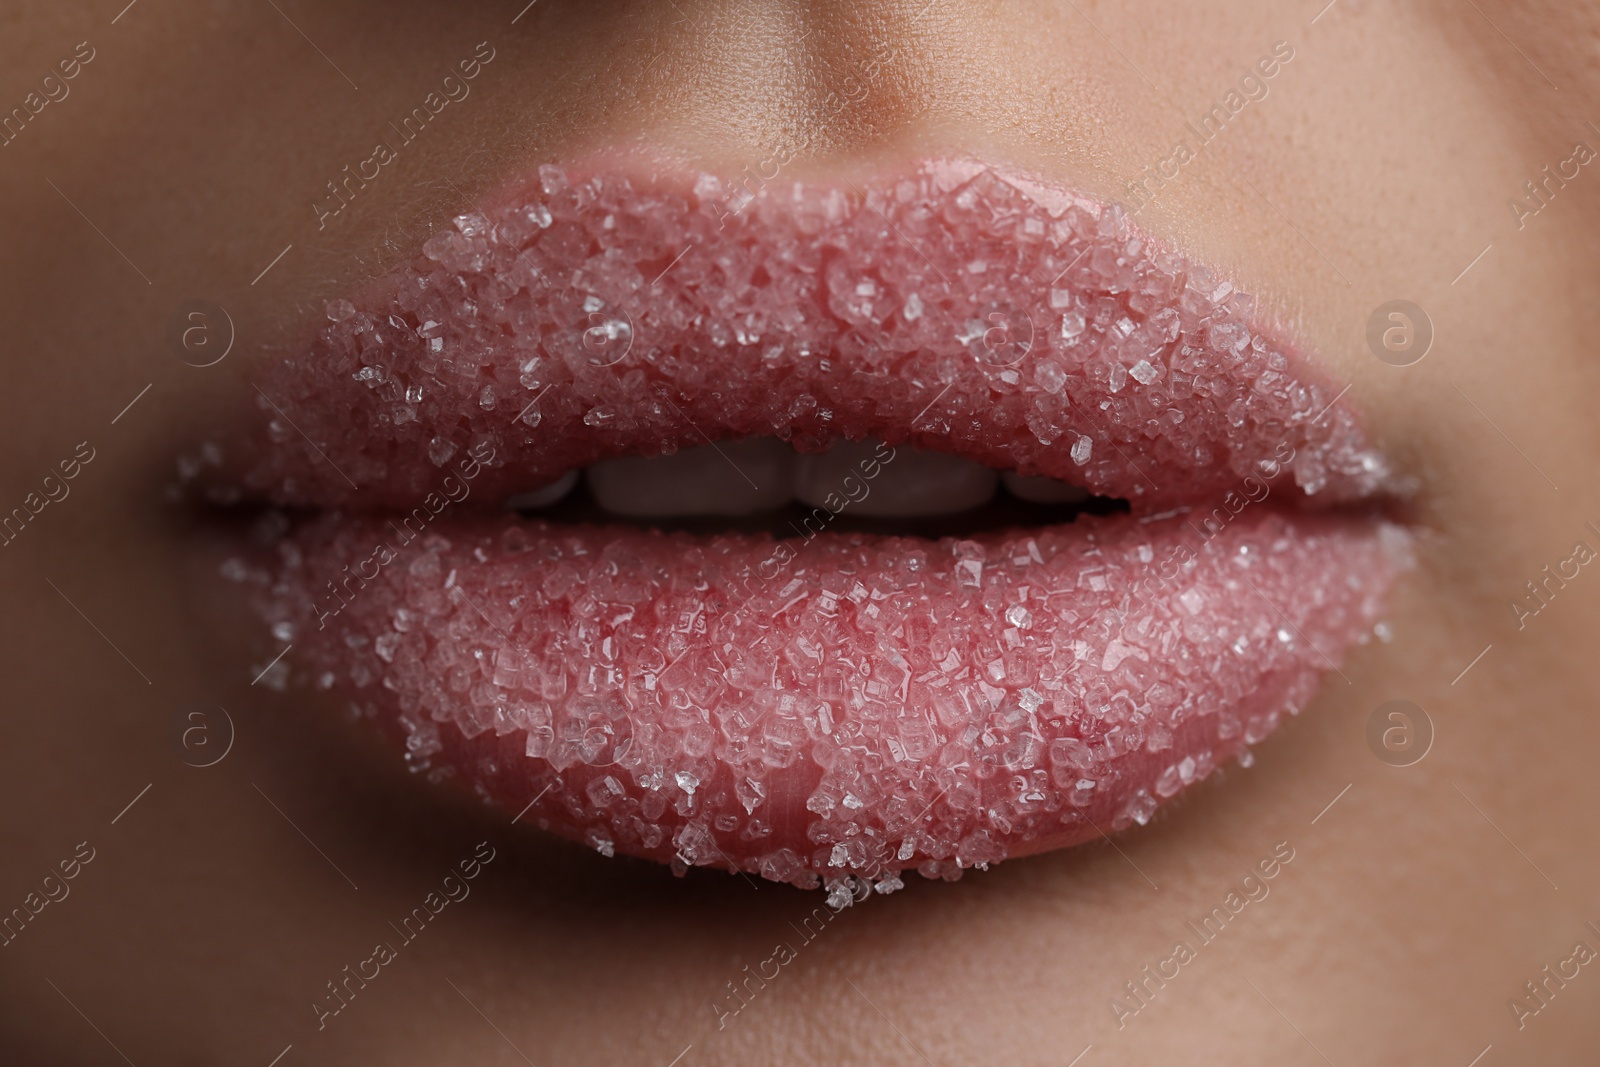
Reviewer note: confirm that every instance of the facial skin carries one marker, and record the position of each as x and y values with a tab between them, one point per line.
1372	166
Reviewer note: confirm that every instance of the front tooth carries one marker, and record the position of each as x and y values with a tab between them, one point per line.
543	498
907	484
728	478
1043	490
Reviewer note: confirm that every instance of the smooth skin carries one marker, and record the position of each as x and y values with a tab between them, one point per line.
1379	164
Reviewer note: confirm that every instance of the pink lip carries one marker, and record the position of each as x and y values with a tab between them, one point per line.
833	704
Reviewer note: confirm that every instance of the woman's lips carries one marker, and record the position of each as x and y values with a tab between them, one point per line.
831	704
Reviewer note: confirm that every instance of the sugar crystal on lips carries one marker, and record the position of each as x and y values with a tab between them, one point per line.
598	313
905	741
840	704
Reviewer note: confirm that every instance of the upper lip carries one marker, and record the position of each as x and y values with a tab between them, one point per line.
653	344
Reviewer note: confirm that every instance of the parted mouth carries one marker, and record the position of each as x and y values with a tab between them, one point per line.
764	484
818	531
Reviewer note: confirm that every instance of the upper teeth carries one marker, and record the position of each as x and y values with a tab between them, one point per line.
730	478
733	478
1043	490
911	484
541	498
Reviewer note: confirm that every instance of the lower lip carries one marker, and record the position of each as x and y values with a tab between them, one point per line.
832	705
